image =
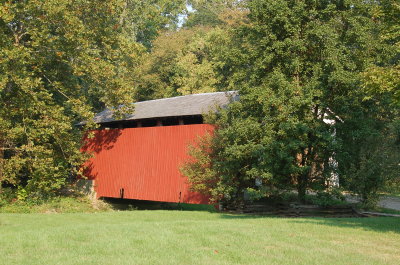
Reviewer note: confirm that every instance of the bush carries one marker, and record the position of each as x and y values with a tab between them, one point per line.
326	199
7	195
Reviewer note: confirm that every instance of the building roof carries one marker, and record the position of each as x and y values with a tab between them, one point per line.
196	104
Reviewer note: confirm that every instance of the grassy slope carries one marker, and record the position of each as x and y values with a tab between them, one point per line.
184	237
55	205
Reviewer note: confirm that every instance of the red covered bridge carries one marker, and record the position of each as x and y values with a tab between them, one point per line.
139	157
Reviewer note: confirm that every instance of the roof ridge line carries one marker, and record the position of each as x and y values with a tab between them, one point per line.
198	94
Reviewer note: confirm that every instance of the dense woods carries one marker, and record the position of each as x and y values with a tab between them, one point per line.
319	86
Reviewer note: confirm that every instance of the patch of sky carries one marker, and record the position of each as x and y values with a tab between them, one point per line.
182	17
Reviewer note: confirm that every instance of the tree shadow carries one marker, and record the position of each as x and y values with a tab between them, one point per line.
89	172
131	204
101	140
377	224
246	216
195	198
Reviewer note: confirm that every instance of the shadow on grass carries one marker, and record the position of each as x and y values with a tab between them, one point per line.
246	216
129	205
377	224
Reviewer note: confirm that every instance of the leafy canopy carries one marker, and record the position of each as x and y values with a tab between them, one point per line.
299	66
59	62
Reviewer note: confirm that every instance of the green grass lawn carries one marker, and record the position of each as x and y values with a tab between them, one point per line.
195	237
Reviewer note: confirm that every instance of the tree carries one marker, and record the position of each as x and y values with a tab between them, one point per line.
370	161
175	61
192	59
297	64
383	81
60	61
226	164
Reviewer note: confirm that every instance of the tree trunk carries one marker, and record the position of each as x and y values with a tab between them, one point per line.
302	180
1	162
302	187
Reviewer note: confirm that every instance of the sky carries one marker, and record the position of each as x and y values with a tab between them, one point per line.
183	17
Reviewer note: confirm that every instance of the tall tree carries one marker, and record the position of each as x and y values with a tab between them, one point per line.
370	155
174	65
193	59
60	61
382	81
298	65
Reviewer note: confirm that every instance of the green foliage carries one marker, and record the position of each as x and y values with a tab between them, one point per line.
190	60
60	61
22	194
203	16
7	195
299	66
318	80
213	13
228	164
150	17
376	168
382	82
179	64
370	160
326	199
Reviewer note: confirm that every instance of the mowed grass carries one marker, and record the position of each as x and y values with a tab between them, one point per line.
195	237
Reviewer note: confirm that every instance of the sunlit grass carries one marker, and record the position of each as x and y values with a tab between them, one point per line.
195	237
56	205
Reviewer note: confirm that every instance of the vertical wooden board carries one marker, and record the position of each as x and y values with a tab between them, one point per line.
144	162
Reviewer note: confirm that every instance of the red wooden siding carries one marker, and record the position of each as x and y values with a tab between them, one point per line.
144	162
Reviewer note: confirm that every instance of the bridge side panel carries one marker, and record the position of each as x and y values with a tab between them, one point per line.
143	163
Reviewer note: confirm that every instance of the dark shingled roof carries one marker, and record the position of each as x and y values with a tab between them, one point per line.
195	104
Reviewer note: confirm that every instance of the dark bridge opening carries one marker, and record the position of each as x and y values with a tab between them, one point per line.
154	122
